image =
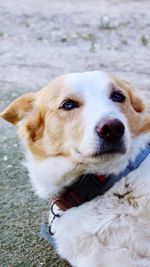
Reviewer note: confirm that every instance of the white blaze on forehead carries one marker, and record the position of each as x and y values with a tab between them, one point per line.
88	83
94	90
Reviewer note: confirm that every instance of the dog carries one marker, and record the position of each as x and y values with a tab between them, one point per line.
86	141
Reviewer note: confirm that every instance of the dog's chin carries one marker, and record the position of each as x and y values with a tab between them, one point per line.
105	153
108	152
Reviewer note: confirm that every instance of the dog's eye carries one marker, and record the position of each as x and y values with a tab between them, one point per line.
69	105
117	96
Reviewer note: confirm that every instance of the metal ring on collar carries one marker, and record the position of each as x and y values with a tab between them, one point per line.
52	208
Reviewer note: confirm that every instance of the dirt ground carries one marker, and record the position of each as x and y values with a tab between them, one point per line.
40	40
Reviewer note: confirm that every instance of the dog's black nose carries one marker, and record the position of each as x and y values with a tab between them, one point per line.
110	129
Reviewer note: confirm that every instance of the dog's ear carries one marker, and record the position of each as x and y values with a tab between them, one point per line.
17	110
136	101
139	106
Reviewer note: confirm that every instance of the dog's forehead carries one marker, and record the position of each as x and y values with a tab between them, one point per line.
88	83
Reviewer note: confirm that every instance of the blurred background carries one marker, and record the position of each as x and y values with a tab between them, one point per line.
40	40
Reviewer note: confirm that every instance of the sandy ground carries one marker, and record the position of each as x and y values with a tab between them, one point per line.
40	40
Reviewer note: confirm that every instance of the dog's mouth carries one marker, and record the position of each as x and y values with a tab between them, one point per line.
110	149
105	151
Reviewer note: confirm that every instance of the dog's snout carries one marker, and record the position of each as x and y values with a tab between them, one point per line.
110	130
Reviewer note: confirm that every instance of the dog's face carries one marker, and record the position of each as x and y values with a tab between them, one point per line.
88	117
85	115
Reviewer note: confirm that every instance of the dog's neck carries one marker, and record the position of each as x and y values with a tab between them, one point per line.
91	185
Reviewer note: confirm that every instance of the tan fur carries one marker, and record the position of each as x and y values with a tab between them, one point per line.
44	126
17	110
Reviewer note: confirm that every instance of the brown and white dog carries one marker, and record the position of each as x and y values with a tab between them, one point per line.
84	123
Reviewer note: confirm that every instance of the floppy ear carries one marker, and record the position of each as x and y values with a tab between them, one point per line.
136	101
17	110
138	105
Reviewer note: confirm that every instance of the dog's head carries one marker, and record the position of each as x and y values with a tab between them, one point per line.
90	118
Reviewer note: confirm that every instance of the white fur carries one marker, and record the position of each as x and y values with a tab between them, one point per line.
108	231
94	87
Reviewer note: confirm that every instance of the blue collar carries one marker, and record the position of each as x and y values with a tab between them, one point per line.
133	165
